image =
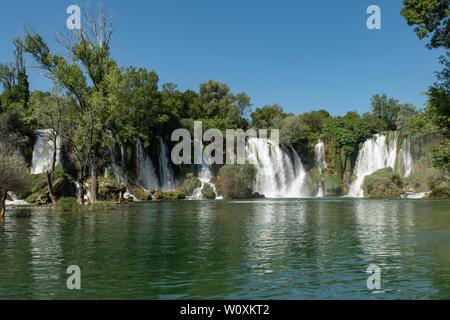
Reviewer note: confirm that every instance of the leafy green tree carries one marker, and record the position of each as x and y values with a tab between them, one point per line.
14	80
264	117
13	174
431	20
441	157
406	111
314	121
222	106
386	109
50	112
290	129
438	111
346	133
84	77
376	124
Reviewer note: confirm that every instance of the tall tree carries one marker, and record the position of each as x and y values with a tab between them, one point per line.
83	76
431	20
386	109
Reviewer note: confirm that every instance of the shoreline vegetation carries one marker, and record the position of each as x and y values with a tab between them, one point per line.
107	131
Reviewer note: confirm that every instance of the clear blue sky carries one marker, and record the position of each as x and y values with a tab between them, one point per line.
304	55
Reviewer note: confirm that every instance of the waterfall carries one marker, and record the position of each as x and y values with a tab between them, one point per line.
321	163
278	176
145	171
204	175
377	153
406	163
165	169
118	170
43	152
15	201
87	195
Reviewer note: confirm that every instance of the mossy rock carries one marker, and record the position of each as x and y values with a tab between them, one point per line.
384	183
440	193
208	192
140	194
159	195
332	185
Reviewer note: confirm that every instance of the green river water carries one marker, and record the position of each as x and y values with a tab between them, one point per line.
265	249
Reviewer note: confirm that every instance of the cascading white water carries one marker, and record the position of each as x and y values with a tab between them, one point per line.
378	153
418	195
87	194
145	171
321	163
166	172
405	163
15	201
278	176
43	152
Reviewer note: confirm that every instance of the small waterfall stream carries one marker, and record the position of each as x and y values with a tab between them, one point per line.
15	201
321	163
43	152
145	170
166	172
204	175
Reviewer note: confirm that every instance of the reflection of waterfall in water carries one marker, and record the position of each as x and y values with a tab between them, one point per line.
166	173
321	163
43	152
15	201
377	153
278	175
146	176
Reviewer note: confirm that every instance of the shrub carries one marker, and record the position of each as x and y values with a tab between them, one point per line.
208	192
384	183
190	184
236	181
32	198
140	194
332	185
101	206
180	195
159	195
68	204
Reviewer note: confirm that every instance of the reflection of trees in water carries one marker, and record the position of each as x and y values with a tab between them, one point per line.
46	254
15	255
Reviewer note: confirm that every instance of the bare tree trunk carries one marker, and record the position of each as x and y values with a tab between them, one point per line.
55	145
94	186
3	196
50	187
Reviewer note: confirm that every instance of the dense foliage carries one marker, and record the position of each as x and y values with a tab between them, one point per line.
94	103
